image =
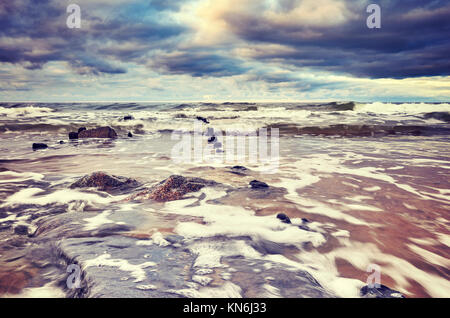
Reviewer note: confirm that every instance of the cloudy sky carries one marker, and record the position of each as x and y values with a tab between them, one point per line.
235	50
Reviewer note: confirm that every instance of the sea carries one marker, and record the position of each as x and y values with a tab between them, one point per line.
366	187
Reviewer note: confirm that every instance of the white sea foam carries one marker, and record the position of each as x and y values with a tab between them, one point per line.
137	271
407	108
98	220
46	291
430	256
12	176
28	111
31	196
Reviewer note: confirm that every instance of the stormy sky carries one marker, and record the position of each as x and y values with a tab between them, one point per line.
234	50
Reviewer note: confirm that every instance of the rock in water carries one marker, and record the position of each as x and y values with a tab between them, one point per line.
73	135
102	132
212	139
39	146
105	182
81	129
255	184
284	218
129	117
130	134
203	119
21	230
172	188
379	292
239	170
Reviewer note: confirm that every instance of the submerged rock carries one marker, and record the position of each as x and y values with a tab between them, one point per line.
102	132
266	279
37	146
239	170
255	184
212	139
203	119
21	230
172	188
105	182
284	218
73	135
379	291
115	266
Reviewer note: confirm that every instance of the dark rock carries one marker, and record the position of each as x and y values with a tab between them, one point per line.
255	184
212	139
239	170
130	134
110	229
21	230
203	119
81	129
39	146
305	220
172	188
105	182
102	132
288	282
304	228
73	135
61	142
171	269
379	291
129	117
180	116
284	218
174	239
267	247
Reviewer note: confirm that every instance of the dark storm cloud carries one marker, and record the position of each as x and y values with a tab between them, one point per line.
413	40
173	5
34	34
197	64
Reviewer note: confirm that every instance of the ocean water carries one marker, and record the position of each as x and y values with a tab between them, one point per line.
371	179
